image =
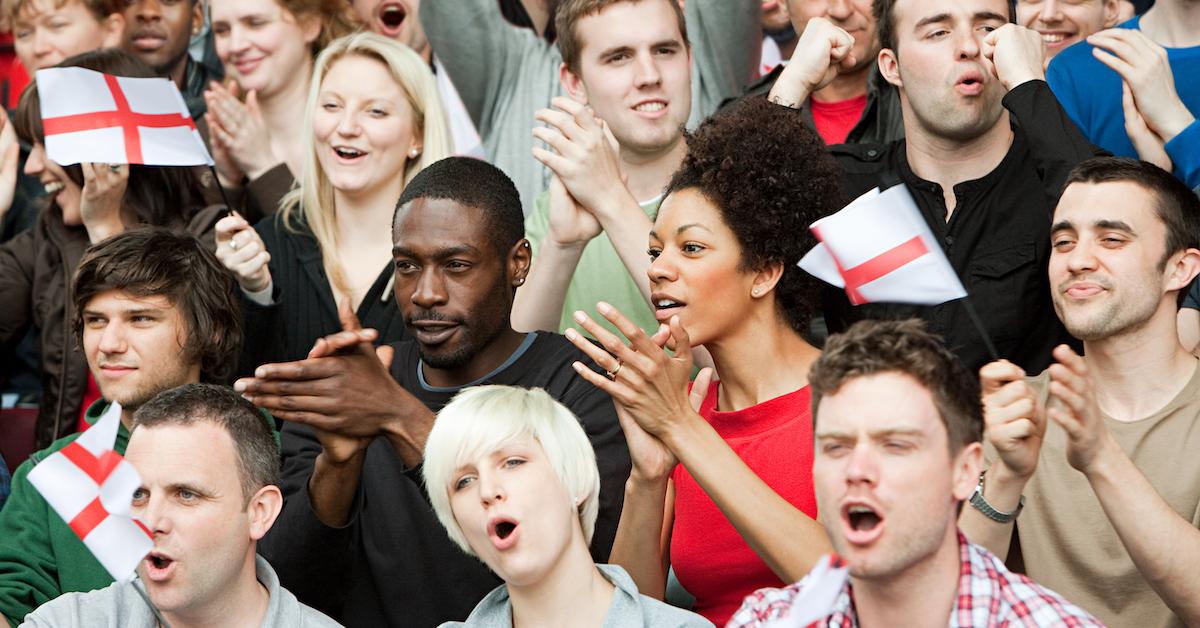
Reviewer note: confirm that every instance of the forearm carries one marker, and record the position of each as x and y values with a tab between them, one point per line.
1002	490
1163	545
539	302
333	487
408	437
628	228
638	547
789	541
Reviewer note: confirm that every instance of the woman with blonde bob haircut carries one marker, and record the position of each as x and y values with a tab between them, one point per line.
513	478
373	120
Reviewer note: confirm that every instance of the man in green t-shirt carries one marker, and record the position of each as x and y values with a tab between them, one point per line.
153	310
626	68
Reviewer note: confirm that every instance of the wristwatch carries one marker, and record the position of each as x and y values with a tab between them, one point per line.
982	505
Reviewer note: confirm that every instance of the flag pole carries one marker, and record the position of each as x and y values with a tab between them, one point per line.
987	340
153	609
225	197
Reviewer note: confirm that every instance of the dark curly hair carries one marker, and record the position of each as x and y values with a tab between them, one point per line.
770	177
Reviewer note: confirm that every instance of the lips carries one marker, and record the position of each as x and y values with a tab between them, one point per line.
349	154
433	332
391	18
247	66
503	532
148	41
970	83
666	306
1083	290
651	108
116	370
159	566
862	523
1057	39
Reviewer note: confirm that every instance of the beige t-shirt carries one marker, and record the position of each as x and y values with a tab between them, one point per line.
1066	540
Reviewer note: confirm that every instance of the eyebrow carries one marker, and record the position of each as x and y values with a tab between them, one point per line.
666	43
981	16
682	228
875	434
462	249
1117	225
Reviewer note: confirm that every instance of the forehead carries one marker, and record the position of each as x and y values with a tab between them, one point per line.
31	10
1084	203
227	9
355	72
907	13
485	448
880	402
688	207
628	24
117	301
200	453
435	223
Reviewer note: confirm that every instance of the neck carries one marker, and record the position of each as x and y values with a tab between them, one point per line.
279	114
649	173
846	86
363	219
487	360
243	603
948	162
922	596
539	14
573	593
764	359
178	74
1173	23
1137	373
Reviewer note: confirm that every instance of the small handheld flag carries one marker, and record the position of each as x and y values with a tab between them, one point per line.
91	487
92	117
822	587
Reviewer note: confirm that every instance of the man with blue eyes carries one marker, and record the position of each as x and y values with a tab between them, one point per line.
896	425
986	150
208	461
154	310
1097	454
357	537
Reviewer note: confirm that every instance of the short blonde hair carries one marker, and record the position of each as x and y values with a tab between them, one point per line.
312	198
483	419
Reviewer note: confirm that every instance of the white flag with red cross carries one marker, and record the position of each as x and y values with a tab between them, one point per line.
91	487
92	117
880	249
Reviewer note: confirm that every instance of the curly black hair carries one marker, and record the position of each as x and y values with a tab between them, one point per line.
771	177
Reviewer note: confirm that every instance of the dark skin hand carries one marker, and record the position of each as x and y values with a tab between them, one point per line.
344	392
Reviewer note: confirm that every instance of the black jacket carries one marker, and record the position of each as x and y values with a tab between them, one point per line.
997	238
393	564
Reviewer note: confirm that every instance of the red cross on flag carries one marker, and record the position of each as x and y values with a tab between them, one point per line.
880	250
91	487
92	117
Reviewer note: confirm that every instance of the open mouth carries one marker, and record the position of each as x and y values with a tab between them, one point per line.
391	18
349	154
504	529
862	518
54	187
158	566
650	106
863	525
1052	39
666	307
503	533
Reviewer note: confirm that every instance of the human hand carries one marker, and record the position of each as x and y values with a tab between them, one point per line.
1077	411
584	155
643	378
346	393
241	250
100	202
1149	146
1144	66
1017	54
570	224
822	52
1013	421
238	128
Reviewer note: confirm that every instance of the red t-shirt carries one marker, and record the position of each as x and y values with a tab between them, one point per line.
91	396
835	120
773	438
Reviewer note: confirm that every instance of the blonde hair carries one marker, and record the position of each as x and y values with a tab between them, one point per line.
312	198
483	419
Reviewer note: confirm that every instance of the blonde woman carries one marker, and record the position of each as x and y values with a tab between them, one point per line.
268	49
512	477
374	120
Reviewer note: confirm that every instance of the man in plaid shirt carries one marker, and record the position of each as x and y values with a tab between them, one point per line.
898	424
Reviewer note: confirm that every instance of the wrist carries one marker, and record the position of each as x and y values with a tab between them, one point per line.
1175	124
640	481
1023	79
681	430
789	90
1102	464
563	247
102	230
1002	487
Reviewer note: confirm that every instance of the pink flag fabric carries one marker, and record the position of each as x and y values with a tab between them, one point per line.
880	249
91	487
92	117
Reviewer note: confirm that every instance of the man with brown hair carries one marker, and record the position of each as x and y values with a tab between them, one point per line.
897	423
154	310
505	73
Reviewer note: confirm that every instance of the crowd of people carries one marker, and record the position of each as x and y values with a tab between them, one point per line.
584	381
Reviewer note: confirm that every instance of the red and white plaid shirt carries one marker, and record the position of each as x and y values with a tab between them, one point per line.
988	595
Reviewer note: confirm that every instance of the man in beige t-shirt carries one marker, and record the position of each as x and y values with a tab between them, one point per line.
1111	482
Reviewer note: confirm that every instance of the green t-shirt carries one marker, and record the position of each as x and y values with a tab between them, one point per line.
600	275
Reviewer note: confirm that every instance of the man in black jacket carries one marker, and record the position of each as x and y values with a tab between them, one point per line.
987	151
357	537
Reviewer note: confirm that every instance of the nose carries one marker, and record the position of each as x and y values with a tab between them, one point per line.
1051	11
662	269
430	290
839	10
862	466
968	44
491	489
112	339
154	514
147	10
348	124
238	42
35	164
1081	258
41	43
647	73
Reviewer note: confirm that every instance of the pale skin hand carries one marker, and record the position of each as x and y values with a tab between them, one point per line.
583	157
240	132
1088	438
241	250
100	203
9	156
1143	65
1018	55
822	52
1149	146
651	385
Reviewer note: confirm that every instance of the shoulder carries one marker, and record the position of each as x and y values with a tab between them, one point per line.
864	165
113	605
767	604
1023	601
652	612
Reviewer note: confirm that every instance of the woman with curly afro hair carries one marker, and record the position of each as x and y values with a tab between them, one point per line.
720	488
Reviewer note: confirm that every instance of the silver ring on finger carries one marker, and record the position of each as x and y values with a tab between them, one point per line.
233	243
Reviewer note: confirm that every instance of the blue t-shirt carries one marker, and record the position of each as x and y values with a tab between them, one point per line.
1090	93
